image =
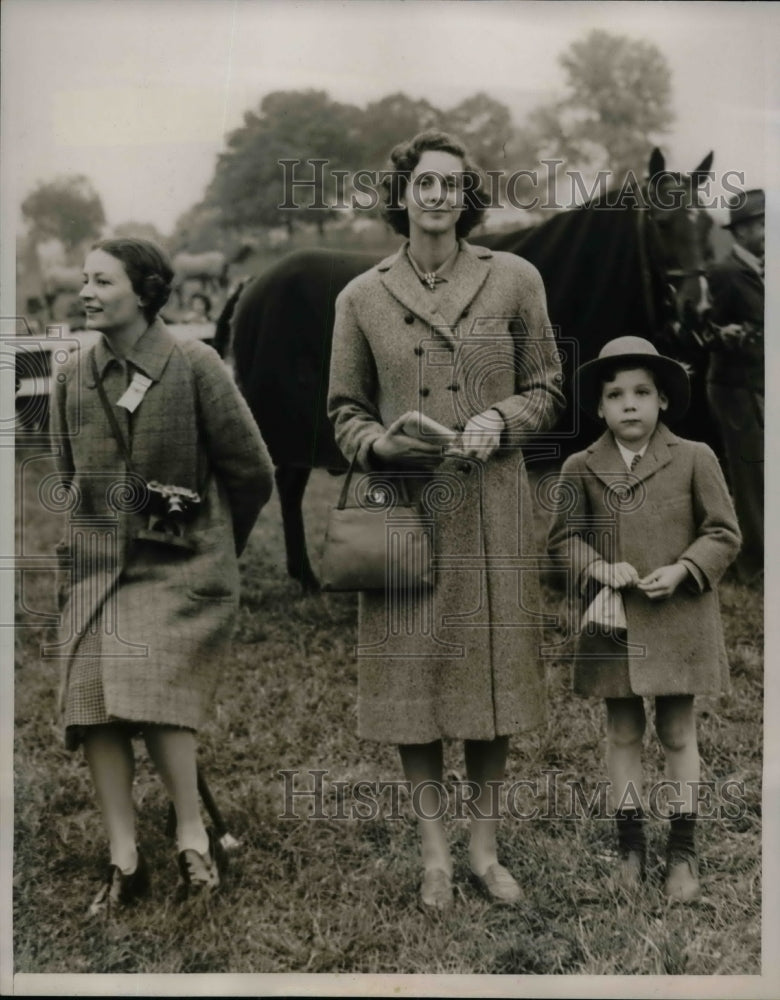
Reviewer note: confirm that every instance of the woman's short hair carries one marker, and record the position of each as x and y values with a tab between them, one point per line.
147	267
405	157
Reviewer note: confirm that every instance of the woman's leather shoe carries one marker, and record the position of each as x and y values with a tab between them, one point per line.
121	890
436	891
202	872
499	884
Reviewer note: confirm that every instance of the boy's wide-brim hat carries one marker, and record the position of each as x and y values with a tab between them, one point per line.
745	206
628	352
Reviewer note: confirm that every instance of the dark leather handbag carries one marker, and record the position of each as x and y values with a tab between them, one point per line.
381	543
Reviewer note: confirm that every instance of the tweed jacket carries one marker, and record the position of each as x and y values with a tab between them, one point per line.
462	660
162	611
673	507
737	292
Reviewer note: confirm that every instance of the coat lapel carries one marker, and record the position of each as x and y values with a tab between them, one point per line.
151	352
605	461
657	455
468	274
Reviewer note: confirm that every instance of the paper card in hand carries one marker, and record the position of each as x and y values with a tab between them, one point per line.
418	425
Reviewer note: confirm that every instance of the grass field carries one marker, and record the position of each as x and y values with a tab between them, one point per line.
340	895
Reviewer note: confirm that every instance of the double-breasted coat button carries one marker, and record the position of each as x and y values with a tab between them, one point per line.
408	318
424	391
454	387
419	351
460	427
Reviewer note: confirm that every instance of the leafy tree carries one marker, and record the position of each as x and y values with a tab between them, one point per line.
199	229
485	126
141	230
68	209
250	184
391	120
617	102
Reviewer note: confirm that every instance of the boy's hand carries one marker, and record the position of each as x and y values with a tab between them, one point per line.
663	582
615	575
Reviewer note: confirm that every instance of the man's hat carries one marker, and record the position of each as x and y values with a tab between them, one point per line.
630	352
745	206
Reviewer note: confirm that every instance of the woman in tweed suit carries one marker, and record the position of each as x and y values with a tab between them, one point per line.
462	661
147	613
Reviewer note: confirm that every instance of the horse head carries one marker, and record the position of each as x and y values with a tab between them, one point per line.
678	236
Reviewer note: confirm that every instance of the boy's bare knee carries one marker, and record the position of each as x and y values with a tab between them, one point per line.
625	735
675	723
675	734
625	724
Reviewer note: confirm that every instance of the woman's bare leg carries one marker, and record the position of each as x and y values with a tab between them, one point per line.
109	753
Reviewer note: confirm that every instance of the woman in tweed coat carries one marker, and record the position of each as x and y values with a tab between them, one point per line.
461	335
146	614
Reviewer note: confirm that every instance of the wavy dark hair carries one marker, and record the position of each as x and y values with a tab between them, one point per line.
147	267
405	157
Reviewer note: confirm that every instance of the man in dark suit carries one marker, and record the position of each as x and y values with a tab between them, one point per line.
735	378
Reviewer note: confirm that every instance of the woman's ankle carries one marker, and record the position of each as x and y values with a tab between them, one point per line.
125	857
192	837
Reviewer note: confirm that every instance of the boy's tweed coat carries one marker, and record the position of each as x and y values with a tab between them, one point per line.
673	507
164	613
462	661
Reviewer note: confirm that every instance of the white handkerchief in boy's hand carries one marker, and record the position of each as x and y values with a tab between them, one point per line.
427	429
606	609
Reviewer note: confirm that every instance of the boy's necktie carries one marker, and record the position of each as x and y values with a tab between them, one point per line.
635	461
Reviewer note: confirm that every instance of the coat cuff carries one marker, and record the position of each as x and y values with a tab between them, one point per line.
697	581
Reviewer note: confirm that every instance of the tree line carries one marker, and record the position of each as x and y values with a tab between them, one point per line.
615	105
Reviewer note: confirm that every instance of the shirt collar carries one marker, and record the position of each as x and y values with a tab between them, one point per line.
748	258
148	354
628	455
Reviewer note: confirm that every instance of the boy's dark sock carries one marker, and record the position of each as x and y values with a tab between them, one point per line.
630	830
682	832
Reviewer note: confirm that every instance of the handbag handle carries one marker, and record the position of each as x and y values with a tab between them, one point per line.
342	503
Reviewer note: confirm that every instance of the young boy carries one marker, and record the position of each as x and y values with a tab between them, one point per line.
651	519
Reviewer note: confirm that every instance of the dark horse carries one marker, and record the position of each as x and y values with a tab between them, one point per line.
608	271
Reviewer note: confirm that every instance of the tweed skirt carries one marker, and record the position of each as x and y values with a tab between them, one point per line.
84	702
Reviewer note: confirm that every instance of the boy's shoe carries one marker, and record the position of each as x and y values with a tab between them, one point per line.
630	871
682	876
499	885
202	873
121	890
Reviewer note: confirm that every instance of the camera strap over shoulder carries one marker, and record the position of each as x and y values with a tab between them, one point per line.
113	422
203	480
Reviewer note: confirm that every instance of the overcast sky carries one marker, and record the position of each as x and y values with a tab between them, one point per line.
138	94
